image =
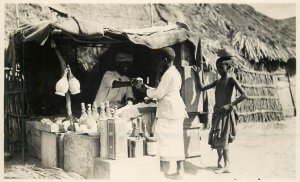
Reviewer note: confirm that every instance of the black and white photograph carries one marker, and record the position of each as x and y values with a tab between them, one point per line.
149	91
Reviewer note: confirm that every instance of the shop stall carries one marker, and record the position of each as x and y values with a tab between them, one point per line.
60	65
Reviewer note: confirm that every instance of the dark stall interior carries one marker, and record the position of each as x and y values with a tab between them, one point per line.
88	64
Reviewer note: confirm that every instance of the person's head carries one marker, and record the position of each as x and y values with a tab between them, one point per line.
168	55
123	62
223	65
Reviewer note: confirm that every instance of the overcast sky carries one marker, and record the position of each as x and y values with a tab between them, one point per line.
276	11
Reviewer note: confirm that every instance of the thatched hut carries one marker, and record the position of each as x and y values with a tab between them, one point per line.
38	53
262	47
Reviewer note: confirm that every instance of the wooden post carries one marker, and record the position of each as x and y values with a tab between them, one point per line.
183	61
17	15
151	9
63	67
292	96
199	61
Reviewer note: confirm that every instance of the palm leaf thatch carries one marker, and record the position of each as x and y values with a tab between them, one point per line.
240	28
248	34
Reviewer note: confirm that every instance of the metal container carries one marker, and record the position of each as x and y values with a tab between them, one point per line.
117	138
152	148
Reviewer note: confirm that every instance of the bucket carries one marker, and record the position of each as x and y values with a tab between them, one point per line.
152	148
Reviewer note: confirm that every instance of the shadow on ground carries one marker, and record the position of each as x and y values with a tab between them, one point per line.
193	169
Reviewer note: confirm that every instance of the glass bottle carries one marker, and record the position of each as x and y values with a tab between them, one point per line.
82	119
91	122
115	111
107	110
102	115
95	113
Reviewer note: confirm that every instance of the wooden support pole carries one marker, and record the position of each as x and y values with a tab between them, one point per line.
199	61
63	67
151	9
292	96
17	15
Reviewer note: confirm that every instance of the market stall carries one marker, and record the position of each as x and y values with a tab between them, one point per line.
61	64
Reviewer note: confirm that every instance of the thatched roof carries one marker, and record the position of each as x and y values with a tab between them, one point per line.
251	34
238	28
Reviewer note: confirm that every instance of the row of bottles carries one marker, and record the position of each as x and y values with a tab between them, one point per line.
139	129
115	142
89	118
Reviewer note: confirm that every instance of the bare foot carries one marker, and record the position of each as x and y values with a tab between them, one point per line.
219	171
175	176
219	166
180	172
222	170
226	170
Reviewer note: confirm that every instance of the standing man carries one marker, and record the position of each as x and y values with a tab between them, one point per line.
116	86
170	114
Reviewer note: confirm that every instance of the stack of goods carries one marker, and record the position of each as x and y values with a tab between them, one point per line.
86	124
123	133
88	120
263	103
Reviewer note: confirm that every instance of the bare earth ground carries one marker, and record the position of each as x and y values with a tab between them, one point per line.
264	151
261	151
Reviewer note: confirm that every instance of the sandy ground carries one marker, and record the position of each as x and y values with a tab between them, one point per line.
261	151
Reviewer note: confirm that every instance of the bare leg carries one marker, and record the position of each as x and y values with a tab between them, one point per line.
165	166
220	154
180	169
226	161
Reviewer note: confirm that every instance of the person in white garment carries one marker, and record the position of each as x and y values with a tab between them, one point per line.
170	113
115	86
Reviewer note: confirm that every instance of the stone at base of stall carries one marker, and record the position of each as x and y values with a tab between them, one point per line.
80	152
52	149
146	167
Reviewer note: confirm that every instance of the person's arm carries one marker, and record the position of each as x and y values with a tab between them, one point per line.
129	96
109	80
143	88
202	87
166	83
161	89
118	84
242	97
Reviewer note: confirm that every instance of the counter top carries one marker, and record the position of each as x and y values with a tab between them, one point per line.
133	111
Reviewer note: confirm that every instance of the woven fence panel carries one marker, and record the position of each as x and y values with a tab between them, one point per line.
263	104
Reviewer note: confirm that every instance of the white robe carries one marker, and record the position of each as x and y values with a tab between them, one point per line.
113	95
170	115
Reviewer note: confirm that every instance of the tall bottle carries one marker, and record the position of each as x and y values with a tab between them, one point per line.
95	113
144	130
91	122
82	119
107	110
115	111
134	132
102	115
102	123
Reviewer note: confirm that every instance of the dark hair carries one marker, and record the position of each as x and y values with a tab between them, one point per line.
226	59
168	53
